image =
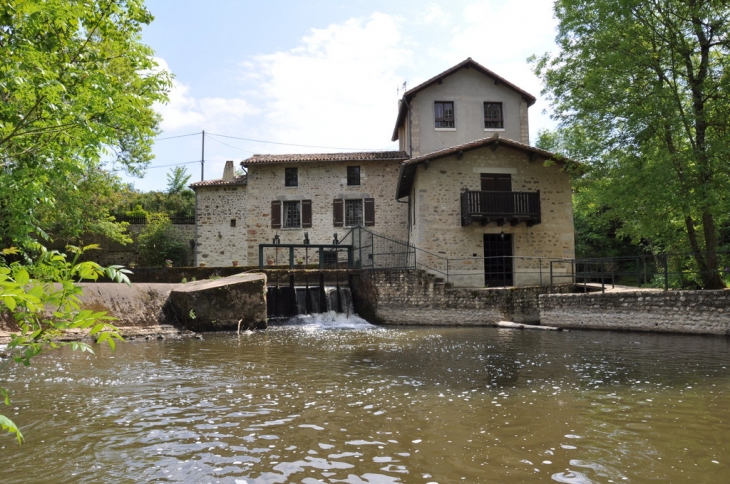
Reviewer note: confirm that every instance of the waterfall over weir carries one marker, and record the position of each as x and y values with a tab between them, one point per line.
286	301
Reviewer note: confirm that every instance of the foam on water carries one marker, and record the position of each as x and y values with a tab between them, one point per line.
326	321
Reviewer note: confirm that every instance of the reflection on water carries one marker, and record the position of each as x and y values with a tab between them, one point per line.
327	399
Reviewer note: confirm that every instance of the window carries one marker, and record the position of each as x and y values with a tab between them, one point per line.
496	183
493	116
233	222
353	213
291	177
291	214
353	175
444	114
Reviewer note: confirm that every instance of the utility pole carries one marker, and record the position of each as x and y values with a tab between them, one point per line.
202	160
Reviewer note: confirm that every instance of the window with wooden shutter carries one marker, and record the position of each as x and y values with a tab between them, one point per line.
369	212
338	212
275	214
306	214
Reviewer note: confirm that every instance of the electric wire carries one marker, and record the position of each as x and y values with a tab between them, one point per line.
292	144
173	137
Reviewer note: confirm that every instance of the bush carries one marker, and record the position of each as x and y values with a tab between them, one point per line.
159	242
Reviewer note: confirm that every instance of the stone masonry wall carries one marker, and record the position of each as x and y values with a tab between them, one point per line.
321	183
221	223
418	298
437	192
697	312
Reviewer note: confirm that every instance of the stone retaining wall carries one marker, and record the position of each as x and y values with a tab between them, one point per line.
418	298
696	312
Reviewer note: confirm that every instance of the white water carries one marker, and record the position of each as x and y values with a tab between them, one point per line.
325	321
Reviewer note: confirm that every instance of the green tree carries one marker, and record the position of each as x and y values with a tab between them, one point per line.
647	84
159	243
77	86
43	298
177	180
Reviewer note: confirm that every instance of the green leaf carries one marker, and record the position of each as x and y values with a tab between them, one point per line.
10	427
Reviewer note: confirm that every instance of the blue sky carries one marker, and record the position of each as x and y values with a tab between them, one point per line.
320	75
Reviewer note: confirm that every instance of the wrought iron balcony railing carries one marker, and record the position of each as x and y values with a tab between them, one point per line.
500	207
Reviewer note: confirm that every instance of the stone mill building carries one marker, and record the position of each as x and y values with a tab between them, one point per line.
465	188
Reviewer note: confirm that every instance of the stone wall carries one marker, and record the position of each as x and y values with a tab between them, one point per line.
419	298
437	229
221	225
321	183
697	312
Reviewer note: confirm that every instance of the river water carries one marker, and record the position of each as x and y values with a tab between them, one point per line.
340	401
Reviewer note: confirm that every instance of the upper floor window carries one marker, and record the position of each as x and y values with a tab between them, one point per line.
291	177
493	116
353	175
444	114
292	215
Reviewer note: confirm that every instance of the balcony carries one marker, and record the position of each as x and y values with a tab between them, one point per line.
500	207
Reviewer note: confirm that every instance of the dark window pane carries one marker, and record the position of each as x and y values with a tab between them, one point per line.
493	116
291	177
353	175
496	183
353	212
444	114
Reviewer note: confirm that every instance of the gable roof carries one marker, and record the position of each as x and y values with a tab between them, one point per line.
239	180
468	63
336	157
407	173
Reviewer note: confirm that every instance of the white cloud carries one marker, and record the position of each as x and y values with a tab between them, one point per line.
337	88
184	111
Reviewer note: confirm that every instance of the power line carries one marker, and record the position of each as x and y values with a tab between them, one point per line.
292	144
173	137
174	164
230	146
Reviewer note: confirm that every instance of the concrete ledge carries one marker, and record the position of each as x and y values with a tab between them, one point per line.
221	304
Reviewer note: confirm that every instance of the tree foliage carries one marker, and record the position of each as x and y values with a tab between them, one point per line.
43	298
177	180
77	87
641	89
159	243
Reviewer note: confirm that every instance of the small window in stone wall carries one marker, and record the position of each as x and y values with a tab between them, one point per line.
233	222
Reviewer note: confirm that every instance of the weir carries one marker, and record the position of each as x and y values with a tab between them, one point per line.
287	301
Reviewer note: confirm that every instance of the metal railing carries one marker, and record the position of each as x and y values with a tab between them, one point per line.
323	256
661	271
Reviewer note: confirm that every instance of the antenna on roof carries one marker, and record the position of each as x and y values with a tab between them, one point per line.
402	88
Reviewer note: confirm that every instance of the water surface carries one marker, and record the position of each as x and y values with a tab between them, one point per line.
342	401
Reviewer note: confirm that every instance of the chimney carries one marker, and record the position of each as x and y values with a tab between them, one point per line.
228	171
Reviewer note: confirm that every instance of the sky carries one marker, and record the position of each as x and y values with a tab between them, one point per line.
293	76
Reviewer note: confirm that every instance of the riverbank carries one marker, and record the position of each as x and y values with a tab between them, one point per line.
142	311
146	310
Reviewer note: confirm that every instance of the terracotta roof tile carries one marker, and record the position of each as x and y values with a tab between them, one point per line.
314	157
408	168
239	180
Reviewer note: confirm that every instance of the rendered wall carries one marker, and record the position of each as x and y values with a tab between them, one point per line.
469	90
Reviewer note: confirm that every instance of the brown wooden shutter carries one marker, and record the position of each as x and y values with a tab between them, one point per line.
338	212
306	214
369	212
276	214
